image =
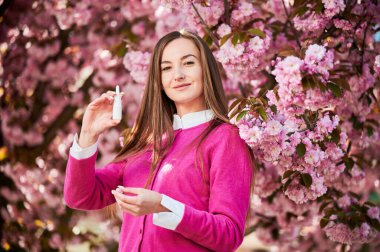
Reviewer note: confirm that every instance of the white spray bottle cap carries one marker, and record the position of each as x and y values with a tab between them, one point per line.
117	108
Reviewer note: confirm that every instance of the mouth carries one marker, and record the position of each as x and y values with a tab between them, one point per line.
183	85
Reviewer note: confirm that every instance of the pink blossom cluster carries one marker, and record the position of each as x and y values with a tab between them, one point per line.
374	213
275	141
284	215
289	72
136	9
301	194
80	15
376	65
169	20
267	181
210	15
341	233
311	23
318	61
176	4
361	109
342	24
103	61
243	56
333	7
243	13
137	64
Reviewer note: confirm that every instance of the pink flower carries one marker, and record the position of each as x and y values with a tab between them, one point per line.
373	212
256	44
344	201
273	128
333	7
137	64
223	30
338	232
376	65
314	53
313	157
251	135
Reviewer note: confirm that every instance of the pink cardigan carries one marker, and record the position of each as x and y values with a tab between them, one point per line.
214	215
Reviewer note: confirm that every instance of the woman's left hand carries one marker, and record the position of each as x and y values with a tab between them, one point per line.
142	203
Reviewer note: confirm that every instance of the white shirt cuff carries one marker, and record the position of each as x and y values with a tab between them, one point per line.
81	153
169	220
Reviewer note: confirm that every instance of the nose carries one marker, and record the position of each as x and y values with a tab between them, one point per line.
179	76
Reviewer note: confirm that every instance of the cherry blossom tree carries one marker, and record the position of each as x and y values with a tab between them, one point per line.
302	79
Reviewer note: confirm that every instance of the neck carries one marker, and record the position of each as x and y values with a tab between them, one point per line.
183	109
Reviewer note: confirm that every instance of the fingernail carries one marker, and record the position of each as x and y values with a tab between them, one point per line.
113	192
119	186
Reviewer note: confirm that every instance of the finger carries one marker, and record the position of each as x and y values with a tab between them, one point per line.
105	97
133	190
113	93
124	198
112	123
127	207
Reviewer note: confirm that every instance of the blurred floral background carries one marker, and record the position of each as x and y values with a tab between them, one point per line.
302	79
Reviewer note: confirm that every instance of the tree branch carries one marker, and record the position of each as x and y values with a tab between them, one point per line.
363	47
26	154
209	32
227	11
291	25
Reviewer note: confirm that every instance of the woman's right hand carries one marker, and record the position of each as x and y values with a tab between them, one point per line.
97	118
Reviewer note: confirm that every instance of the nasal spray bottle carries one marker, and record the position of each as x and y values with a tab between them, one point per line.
116	111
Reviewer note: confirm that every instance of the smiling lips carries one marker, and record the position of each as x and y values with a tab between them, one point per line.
183	85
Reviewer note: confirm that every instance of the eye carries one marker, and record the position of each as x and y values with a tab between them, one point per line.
189	63
165	68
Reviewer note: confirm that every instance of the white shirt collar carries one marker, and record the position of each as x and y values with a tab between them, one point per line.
192	119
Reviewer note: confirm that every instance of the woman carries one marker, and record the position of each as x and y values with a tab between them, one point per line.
185	174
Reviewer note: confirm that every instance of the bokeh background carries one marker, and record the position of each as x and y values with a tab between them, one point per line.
301	77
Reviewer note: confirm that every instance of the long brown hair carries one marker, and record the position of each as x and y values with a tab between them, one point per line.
159	108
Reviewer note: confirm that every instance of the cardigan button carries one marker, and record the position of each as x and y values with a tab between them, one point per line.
141	230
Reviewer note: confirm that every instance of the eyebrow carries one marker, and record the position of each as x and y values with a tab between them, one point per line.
182	58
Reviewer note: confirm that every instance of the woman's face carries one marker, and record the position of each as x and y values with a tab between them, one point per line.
180	64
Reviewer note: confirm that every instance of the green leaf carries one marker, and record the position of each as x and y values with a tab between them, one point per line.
323	206
301	149
369	130
373	122
273	108
375	223
349	163
257	32
374	197
207	39
234	103
235	39
306	180
308	83
262	113
318	7
275	233
238	109
369	203
342	82
225	38
335	136
243	37
323	222
241	114
286	51
287	174
335	89
287	183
